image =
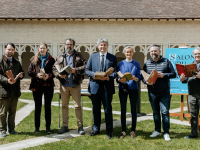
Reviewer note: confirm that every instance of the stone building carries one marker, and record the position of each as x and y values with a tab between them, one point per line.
140	23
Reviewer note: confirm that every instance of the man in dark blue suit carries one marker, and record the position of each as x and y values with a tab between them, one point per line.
102	90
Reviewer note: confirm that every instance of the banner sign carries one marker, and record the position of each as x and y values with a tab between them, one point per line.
182	56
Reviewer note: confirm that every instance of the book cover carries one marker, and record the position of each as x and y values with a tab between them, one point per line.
100	74
126	75
10	75
150	77
188	70
63	71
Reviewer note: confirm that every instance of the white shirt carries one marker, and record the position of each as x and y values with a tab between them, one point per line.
104	58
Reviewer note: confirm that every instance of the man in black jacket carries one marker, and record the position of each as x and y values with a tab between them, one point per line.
159	92
194	95
9	90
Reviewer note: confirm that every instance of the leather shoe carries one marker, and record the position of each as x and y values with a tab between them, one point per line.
63	130
110	135
191	137
94	133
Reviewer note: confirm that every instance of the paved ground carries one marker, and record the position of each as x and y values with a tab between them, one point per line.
26	110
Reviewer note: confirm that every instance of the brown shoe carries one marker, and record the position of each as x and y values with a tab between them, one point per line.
132	134
123	135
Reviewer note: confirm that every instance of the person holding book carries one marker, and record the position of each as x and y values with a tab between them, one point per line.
70	83
9	90
194	95
40	70
102	90
128	87
159	92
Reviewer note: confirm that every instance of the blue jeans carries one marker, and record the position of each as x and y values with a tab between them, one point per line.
160	101
133	95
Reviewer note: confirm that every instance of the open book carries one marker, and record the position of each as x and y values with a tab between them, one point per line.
126	75
99	74
188	70
10	75
63	71
150	77
42	71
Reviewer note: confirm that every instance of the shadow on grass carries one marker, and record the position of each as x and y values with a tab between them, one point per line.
41	133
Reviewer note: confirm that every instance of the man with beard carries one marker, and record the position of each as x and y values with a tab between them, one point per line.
71	83
159	92
9	90
194	95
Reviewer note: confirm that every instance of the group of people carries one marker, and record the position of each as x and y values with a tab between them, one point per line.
101	90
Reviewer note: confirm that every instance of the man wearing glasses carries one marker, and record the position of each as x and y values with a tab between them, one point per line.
71	83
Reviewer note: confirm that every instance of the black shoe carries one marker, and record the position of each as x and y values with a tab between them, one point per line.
94	133
36	130
81	131
191	137
110	135
63	129
13	132
48	130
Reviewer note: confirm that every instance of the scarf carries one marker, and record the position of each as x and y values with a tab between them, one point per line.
43	59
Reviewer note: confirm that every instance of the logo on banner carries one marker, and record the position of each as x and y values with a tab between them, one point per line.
172	57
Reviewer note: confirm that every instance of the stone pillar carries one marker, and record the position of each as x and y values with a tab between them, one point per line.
165	45
55	50
110	48
1	50
20	58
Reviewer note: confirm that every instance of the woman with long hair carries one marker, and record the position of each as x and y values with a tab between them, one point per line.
128	88
40	70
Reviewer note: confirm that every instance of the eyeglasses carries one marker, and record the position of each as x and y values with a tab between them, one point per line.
69	44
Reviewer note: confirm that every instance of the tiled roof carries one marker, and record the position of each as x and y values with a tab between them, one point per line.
99	9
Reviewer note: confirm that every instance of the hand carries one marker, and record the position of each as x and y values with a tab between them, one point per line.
39	75
46	76
10	81
72	70
21	75
134	78
62	76
105	78
122	80
198	75
160	75
150	83
182	77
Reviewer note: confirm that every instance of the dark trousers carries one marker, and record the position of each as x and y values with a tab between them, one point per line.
160	102
8	106
133	96
48	95
194	103
106	99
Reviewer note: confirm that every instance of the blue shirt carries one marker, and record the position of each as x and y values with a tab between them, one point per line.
124	67
69	78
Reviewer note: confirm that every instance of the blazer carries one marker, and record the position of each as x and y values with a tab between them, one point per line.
93	65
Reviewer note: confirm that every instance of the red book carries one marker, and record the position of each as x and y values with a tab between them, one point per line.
10	75
188	70
150	77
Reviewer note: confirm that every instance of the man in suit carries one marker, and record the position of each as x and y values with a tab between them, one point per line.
194	95
102	90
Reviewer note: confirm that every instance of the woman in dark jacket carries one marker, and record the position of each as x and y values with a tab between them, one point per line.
128	88
42	83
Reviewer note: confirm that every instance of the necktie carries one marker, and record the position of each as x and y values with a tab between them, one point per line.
102	62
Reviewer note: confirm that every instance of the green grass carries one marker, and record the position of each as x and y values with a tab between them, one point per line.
20	105
141	142
26	127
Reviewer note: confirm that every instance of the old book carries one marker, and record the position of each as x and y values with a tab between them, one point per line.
63	71
126	75
152	77
100	74
10	75
42	71
188	70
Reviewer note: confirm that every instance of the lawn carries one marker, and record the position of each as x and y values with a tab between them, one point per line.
141	142
20	105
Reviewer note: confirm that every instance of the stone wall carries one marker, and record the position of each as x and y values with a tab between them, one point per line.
163	31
